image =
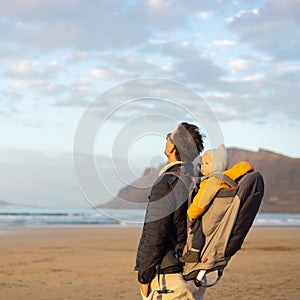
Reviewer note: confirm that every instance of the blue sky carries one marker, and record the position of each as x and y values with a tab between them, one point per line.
58	57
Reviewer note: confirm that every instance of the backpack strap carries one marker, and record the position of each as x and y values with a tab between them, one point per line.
185	178
225	178
189	181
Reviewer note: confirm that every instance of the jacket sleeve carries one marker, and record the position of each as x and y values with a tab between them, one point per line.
207	191
159	224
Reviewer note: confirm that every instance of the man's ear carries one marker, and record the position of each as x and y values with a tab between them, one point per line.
173	148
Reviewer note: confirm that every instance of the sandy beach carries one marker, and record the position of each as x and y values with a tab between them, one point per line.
97	263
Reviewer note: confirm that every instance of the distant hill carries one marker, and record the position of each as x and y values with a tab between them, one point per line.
281	175
4	203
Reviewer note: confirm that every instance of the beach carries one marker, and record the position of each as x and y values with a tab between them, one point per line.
98	263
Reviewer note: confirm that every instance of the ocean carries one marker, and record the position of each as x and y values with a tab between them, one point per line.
45	217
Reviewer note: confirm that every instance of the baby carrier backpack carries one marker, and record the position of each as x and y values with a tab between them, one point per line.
225	225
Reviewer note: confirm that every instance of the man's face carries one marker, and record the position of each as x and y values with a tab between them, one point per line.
169	144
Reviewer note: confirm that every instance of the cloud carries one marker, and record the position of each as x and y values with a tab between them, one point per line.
74	24
78	56
23	85
33	69
240	64
205	15
82	50
259	96
223	43
258	77
183	61
274	28
285	69
51	25
200	71
100	73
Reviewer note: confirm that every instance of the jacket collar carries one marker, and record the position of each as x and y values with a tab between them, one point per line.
169	166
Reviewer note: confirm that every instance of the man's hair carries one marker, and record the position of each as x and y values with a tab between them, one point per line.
188	142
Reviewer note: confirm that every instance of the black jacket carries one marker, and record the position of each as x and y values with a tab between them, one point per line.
165	223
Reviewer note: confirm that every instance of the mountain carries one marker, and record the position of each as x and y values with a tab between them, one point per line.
281	176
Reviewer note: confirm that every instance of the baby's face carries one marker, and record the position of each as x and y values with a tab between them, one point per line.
206	165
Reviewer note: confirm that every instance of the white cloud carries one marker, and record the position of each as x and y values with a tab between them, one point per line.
78	56
116	74
158	41
254	78
224	96
100	73
238	65
167	68
21	85
157	3
238	15
205	15
52	89
25	67
285	67
223	43
33	68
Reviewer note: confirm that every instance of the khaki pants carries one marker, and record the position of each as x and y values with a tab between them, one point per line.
182	289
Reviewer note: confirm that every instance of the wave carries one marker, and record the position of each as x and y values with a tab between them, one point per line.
107	217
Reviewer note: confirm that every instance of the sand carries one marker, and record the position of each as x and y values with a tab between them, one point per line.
97	263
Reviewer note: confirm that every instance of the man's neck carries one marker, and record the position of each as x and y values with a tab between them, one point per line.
172	160
172	157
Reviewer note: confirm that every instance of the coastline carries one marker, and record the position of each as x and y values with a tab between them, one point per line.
97	263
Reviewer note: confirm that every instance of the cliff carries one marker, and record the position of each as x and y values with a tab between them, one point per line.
281	175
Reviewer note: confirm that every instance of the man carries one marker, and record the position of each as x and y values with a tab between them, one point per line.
164	232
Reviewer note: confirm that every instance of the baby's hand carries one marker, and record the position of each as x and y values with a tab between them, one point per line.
192	219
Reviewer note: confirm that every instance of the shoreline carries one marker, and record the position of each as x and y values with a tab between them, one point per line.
98	262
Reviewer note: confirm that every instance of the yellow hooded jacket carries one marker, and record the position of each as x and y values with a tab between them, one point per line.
211	185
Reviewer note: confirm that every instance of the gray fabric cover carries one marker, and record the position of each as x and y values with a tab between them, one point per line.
227	221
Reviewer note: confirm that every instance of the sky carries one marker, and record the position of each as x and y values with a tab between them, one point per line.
89	89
